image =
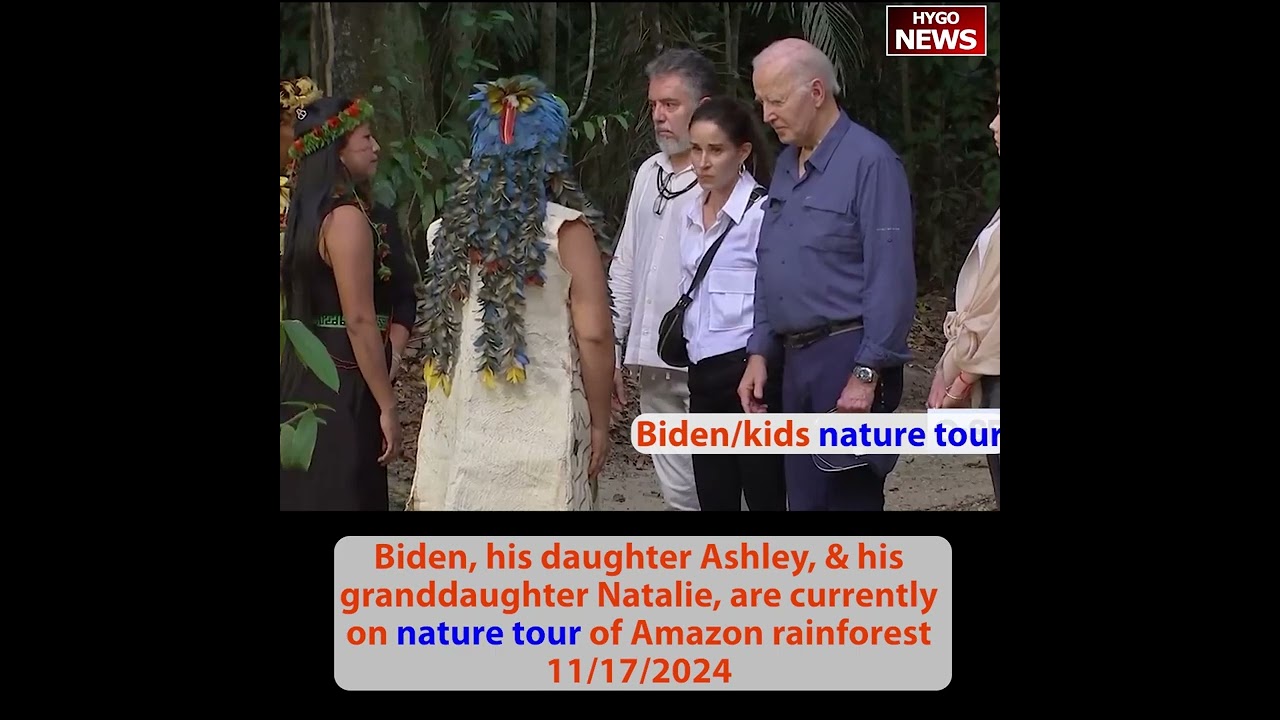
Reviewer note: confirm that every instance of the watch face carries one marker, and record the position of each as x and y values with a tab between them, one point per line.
864	374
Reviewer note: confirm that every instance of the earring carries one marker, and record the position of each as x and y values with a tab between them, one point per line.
742	169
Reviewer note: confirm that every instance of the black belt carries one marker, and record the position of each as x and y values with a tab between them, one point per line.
805	338
338	321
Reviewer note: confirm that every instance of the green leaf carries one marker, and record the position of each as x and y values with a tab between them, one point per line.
418	188
384	192
312	352
622	120
502	15
486	64
427	147
376	89
589	128
286	447
439	198
428	209
304	439
405	161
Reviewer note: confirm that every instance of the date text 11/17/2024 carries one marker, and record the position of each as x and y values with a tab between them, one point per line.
639	671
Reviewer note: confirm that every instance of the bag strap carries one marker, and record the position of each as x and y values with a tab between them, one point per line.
705	266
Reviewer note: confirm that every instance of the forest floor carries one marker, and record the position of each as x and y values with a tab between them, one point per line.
628	481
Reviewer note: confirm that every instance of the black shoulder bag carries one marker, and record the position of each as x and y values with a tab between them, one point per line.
673	348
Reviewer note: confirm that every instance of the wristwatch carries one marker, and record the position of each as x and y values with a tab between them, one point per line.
865	374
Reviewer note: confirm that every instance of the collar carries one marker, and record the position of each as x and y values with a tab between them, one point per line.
664	162
734	209
827	146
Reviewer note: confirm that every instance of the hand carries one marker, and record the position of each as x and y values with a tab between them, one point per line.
751	388
390	422
937	392
395	367
619	391
956	396
856	397
599	452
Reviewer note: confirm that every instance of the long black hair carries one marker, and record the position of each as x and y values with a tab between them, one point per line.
320	178
738	122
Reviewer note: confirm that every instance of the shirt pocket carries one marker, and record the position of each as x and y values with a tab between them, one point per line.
828	224
731	295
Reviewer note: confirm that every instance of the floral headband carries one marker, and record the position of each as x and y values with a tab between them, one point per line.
357	113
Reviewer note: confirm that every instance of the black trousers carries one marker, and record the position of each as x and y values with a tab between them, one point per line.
722	480
991	399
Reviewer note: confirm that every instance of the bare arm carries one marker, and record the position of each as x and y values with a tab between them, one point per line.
592	322
349	244
399	335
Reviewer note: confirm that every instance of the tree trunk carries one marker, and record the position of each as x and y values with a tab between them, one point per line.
462	33
355	29
547	45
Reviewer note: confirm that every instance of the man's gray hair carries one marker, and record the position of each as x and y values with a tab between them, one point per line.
698	72
804	62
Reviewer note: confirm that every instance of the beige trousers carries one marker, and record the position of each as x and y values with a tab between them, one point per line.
667	391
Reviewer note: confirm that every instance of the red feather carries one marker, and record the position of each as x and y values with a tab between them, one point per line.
508	129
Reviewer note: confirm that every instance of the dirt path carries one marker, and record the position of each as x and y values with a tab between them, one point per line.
628	482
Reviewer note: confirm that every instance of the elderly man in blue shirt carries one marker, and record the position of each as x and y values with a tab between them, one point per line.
836	284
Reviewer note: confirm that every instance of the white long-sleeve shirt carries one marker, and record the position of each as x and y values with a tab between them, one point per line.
721	316
645	271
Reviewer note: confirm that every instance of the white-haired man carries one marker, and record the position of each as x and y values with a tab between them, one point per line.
645	272
836	282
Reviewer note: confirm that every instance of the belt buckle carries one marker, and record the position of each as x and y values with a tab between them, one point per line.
806	338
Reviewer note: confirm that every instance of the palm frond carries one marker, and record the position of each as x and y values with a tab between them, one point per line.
833	29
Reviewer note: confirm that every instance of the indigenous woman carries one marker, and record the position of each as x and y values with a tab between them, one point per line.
518	322
336	281
298	94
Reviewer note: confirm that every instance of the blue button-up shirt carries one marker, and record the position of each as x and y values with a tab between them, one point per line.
836	245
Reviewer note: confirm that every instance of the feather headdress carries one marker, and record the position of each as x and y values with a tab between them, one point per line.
494	222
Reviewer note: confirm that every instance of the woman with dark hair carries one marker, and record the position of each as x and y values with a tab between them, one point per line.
721	230
336	281
298	94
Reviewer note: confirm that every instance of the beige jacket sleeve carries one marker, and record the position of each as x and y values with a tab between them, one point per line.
973	328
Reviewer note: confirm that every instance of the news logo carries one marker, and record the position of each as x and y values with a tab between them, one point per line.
936	30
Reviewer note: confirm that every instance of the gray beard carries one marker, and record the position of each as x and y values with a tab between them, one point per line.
672	146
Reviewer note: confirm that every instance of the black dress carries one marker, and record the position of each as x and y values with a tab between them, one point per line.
344	472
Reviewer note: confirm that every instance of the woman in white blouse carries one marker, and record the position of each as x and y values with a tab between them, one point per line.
730	159
969	373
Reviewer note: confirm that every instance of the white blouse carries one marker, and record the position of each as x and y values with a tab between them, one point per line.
984	238
722	314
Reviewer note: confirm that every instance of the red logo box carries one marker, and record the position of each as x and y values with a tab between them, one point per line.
936	31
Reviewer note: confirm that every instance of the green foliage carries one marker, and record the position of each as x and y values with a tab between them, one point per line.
298	433
295	50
